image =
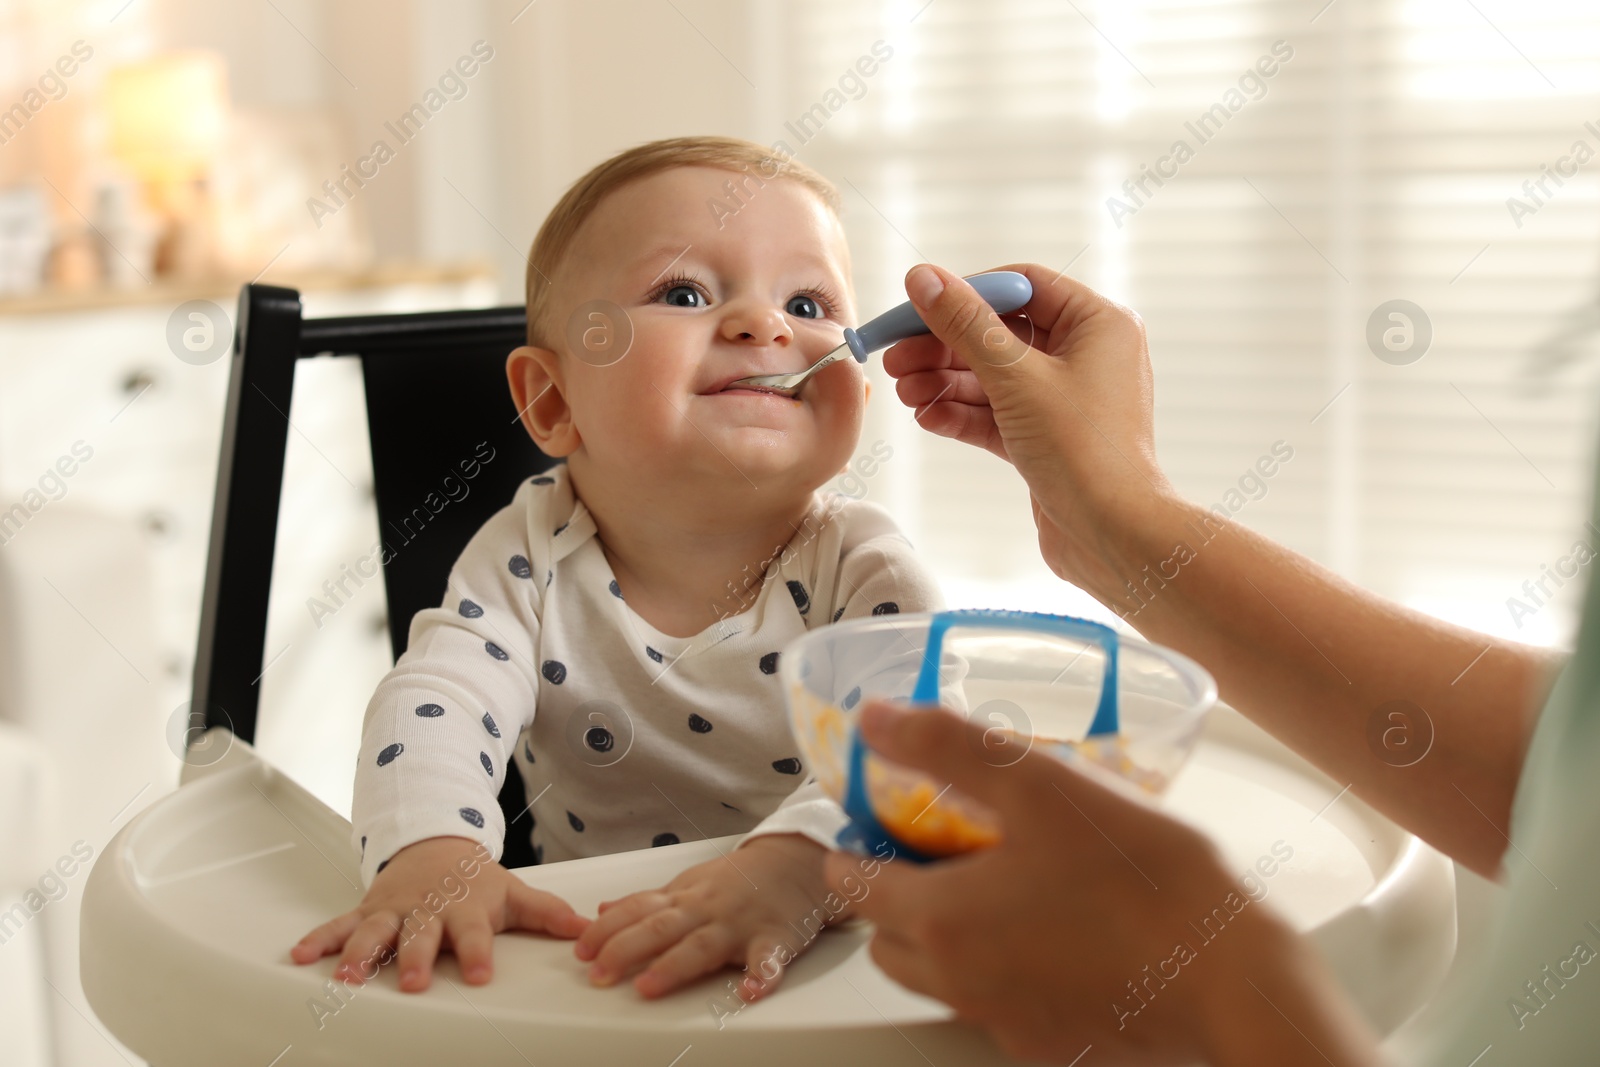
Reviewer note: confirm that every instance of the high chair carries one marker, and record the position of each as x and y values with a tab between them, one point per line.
190	911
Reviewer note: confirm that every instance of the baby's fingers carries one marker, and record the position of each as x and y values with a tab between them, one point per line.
472	940
369	946
420	939
533	909
329	937
617	916
767	959
642	942
705	950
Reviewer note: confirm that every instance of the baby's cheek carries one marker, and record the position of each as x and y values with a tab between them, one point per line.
841	407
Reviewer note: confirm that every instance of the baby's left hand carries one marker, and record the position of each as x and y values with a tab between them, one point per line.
735	909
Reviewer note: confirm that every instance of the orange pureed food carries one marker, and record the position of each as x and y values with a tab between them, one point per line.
919	818
917	811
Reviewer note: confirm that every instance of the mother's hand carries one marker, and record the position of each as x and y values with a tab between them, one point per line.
1076	929
1065	394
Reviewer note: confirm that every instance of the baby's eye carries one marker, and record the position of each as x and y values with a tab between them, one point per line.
804	307
683	296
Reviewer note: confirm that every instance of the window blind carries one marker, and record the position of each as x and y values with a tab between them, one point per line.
1336	157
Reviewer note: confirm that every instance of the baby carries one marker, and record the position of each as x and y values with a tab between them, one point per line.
614	632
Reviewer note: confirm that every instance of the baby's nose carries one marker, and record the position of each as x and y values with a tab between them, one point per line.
762	326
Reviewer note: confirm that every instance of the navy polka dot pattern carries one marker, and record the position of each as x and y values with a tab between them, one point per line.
381	866
571	675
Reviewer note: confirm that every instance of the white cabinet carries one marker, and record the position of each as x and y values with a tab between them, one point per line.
104	376
101	570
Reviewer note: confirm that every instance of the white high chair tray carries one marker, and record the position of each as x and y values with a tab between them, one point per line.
190	911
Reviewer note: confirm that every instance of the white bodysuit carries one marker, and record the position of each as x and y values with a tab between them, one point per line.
625	737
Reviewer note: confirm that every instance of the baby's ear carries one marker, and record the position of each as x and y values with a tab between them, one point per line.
534	375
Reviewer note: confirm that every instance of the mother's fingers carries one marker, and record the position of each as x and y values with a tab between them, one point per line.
1062	301
951	749
1033	794
962	319
931	386
905	963
966	423
886	894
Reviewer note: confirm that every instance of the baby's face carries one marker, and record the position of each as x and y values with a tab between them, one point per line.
766	292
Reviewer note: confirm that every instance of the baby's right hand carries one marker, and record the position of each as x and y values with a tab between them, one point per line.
475	907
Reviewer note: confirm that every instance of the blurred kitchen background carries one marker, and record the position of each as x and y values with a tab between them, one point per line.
157	154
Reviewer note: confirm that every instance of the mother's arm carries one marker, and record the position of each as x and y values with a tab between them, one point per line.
1309	656
1319	662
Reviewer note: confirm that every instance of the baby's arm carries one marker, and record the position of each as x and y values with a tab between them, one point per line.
437	744
762	905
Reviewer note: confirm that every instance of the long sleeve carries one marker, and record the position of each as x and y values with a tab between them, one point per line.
440	730
877	573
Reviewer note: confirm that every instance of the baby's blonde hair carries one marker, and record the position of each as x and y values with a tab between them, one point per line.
554	239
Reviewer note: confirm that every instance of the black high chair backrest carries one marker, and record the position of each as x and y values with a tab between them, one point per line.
436	399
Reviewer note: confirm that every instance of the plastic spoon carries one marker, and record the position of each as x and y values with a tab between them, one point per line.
1005	290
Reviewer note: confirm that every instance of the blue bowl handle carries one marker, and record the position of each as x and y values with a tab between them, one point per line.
927	687
865	832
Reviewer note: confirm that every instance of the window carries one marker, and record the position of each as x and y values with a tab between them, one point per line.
1372	164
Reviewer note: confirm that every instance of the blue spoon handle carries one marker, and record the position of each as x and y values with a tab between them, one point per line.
1005	290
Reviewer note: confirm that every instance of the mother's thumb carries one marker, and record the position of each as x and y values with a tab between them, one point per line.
962	319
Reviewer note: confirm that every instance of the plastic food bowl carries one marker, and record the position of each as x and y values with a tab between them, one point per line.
1069	686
